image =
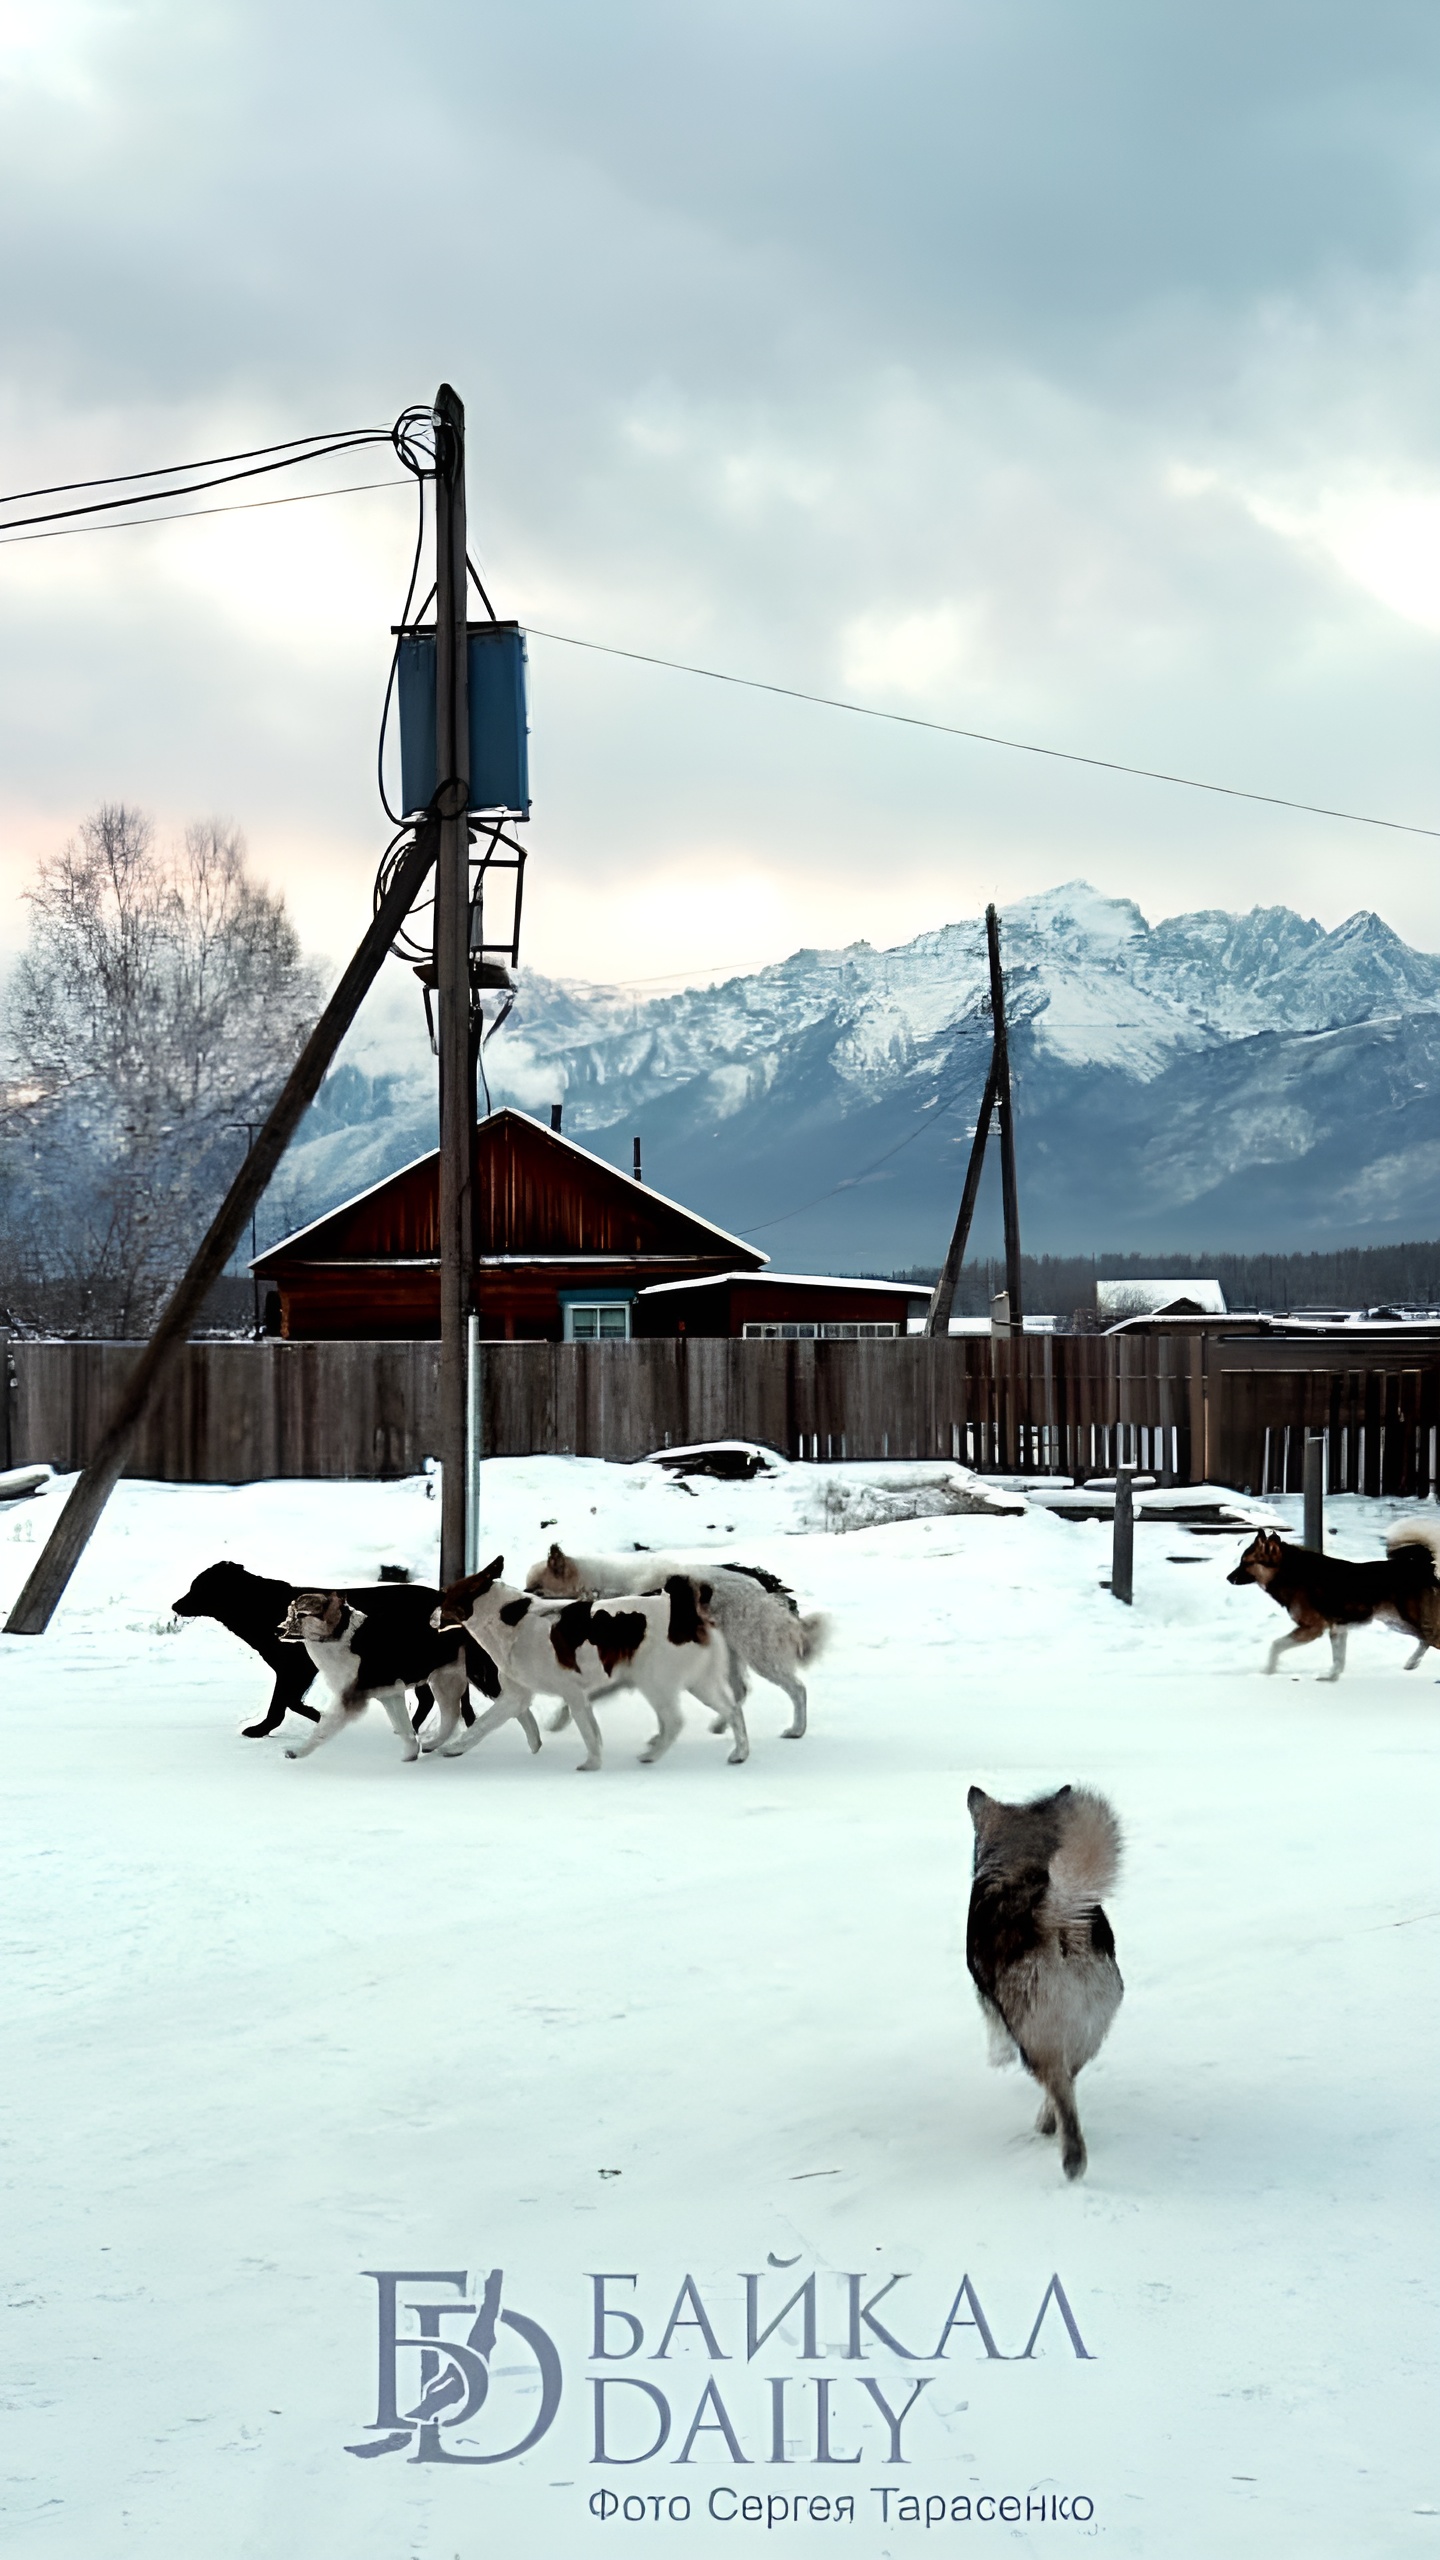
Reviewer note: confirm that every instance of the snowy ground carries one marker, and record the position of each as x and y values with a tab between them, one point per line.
269	2026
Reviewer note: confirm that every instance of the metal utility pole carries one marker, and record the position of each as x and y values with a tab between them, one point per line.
1001	1071
452	971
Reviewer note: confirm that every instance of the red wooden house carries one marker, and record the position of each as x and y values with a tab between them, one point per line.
563	1246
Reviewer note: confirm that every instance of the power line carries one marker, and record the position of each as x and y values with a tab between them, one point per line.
194	488
211	462
986	737
848	1181
182	515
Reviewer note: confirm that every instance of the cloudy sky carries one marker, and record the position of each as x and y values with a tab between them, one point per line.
1068	372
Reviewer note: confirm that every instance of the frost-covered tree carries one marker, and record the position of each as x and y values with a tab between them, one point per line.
161	999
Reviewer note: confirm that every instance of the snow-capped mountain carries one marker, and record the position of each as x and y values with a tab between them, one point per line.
1213	1080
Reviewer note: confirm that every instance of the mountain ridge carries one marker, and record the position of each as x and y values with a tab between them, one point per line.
1260	1072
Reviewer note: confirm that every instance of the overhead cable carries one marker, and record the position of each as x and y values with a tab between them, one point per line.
172	470
985	737
183	515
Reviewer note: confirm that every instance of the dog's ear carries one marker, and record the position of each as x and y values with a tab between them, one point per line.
462	1595
557	1558
334	1605
976	1802
1062	1792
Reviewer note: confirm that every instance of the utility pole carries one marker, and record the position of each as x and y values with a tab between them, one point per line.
937	1319
996	1098
452	971
1006	1111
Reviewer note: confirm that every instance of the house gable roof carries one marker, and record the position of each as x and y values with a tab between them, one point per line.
537	1193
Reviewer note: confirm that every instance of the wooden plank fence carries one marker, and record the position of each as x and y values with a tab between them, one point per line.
1230	1408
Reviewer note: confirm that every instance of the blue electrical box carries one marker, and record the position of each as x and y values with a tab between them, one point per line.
499	752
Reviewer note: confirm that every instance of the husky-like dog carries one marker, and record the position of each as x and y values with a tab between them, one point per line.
1325	1595
1039	1947
360	1658
754	1611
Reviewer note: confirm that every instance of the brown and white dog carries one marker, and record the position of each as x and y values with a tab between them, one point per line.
662	1645
1040	1949
1326	1595
361	1659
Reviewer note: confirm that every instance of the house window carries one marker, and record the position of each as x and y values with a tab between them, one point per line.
819	1332
601	1321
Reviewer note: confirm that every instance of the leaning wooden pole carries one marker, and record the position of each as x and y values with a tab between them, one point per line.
452	972
71	1534
937	1320
1008	1187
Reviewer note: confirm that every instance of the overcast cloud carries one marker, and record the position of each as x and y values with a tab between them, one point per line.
1068	372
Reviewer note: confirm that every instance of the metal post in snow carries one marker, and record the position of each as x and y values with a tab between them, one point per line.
472	1444
1313	1533
1122	1569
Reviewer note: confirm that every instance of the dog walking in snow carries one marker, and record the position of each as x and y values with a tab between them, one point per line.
1039	1947
251	1605
754	1611
361	1659
1324	1595
663	1644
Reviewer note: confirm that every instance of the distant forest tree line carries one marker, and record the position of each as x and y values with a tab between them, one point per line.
1063	1284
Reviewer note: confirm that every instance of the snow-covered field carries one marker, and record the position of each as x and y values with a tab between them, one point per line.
269	2026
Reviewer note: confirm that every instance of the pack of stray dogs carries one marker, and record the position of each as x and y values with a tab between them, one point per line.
1039	1946
583	1628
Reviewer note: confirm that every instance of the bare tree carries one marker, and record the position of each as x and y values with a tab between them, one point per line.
160	1001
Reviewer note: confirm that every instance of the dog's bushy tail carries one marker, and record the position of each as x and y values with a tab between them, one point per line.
1415	1533
814	1637
1084	1867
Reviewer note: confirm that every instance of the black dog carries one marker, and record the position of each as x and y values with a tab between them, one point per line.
251	1607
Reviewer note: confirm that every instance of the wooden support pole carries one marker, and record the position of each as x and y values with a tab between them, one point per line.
1009	1190
937	1320
452	971
71	1534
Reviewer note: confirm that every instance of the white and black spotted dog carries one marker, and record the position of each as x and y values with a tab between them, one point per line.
661	1645
362	1659
754	1611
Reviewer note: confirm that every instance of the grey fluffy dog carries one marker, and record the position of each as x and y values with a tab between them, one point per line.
753	1610
1039	1947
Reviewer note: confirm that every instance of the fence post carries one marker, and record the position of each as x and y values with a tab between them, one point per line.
1314	1531
1122	1569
